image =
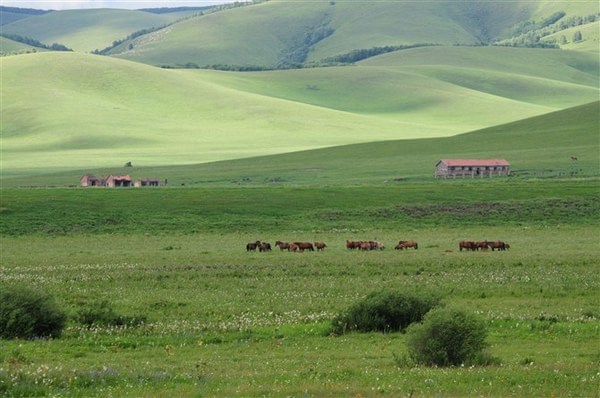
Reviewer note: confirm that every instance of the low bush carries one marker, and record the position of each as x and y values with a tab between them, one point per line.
27	313
448	337
102	313
385	312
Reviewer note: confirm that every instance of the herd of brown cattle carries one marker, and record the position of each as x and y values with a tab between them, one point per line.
371	245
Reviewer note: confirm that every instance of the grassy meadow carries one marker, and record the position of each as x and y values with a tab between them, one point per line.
220	321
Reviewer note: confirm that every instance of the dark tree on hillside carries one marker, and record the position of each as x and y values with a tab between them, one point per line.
577	36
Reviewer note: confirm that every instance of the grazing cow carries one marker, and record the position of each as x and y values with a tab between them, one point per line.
264	247
252	246
282	245
320	246
405	244
467	245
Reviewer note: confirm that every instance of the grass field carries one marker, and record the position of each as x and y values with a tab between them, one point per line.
225	322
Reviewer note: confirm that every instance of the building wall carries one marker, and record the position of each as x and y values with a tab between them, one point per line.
442	170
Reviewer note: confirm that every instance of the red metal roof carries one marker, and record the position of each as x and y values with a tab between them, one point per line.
475	162
121	178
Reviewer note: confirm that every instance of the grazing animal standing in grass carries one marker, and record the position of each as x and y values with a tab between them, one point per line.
481	245
352	244
305	246
320	246
467	245
282	245
406	244
265	247
252	246
498	245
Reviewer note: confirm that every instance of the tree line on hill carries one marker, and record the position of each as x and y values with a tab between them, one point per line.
35	43
201	11
531	34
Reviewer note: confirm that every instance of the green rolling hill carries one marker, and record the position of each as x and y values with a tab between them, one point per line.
86	30
279	33
537	147
94	111
8	46
68	111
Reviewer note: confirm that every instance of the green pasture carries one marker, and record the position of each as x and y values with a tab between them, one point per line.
221	321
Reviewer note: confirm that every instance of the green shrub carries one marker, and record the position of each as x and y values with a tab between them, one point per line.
384	311
27	313
102	313
448	337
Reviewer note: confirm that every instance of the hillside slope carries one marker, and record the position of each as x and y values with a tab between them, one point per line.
98	111
543	146
280	33
539	146
8	46
85	30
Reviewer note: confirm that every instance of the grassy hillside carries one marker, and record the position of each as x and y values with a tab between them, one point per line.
539	147
590	34
86	30
11	14
8	46
91	111
282	33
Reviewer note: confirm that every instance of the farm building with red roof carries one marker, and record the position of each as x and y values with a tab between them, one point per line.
118	181
472	168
